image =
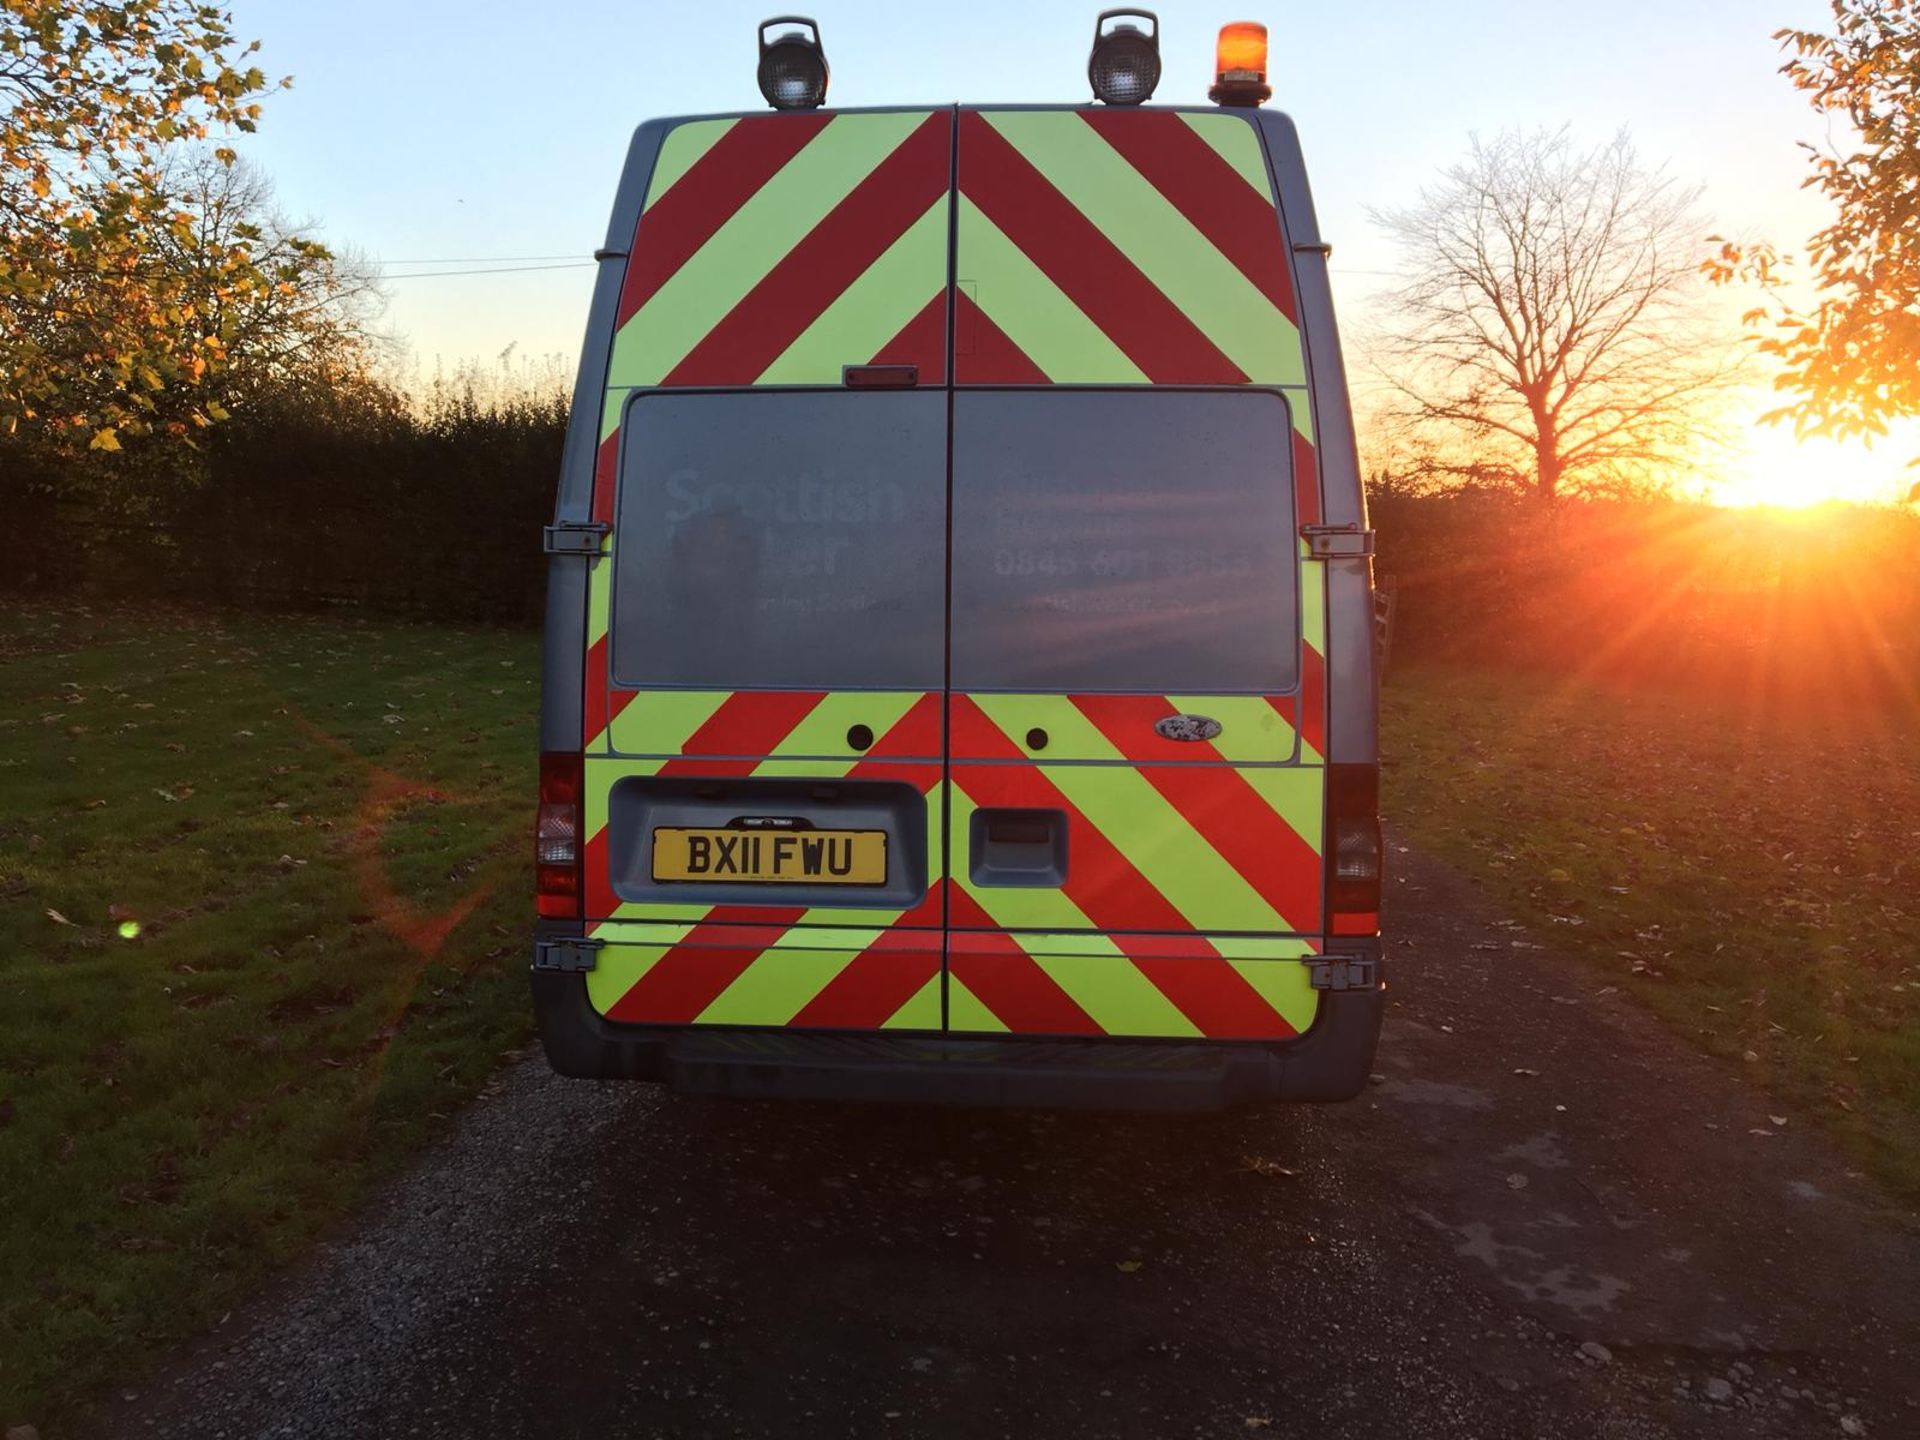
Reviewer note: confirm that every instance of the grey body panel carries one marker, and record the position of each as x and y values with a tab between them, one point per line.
564	649
1353	724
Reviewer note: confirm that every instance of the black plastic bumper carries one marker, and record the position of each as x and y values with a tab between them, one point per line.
1330	1062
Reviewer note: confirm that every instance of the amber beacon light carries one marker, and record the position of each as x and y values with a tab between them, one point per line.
1240	65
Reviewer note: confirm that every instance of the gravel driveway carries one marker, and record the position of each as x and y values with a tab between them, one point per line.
1549	1217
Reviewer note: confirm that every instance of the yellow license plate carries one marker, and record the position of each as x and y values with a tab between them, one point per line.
771	857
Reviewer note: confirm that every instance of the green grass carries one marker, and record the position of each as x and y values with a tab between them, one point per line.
263	924
1754	878
317	830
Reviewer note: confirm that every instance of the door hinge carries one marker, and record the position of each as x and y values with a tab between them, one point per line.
1337	541
573	537
566	956
1343	972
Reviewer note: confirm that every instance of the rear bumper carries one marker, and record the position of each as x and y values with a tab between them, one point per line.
1330	1062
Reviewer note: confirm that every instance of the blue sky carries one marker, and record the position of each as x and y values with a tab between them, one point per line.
428	131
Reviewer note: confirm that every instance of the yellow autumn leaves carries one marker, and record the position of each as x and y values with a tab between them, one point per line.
92	326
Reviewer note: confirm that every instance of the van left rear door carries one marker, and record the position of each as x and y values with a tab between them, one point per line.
766	649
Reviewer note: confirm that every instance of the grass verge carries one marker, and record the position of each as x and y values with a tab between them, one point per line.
1754	878
262	922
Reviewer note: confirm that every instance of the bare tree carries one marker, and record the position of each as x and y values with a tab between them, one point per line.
1548	334
313	323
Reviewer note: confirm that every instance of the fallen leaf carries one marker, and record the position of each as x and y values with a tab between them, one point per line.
1524	1071
1127	1267
58	918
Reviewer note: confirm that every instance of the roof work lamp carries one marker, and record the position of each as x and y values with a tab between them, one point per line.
1124	67
1240	65
793	67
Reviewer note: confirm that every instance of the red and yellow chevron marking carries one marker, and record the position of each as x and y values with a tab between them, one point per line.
801	734
1114	247
776	249
729	724
1030	983
773	974
1164	848
787	247
746	965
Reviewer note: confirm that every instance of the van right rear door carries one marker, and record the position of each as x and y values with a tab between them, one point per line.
1136	798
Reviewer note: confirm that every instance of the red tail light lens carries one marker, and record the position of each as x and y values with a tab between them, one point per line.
1353	849
557	838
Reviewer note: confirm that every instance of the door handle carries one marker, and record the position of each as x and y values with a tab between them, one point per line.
1018	848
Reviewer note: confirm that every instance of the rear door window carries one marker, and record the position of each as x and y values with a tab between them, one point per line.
1124	540
791	540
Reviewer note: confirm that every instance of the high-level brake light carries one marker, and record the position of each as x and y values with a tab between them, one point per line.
1240	66
1124	67
793	66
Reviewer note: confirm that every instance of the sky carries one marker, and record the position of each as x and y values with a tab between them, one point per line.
434	137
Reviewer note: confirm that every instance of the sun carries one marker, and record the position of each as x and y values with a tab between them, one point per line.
1773	468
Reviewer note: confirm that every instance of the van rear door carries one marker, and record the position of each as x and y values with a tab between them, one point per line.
1136	799
765	663
1082	724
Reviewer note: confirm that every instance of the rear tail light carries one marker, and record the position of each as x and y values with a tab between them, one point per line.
557	838
1353	849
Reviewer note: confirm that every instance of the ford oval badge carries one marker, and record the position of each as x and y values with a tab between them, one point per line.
1187	727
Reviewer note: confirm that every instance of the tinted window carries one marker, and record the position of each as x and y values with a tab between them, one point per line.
781	540
1123	541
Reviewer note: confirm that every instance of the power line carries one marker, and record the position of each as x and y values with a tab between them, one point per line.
498	270
481	259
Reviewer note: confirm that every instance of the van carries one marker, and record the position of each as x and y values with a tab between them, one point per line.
959	677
